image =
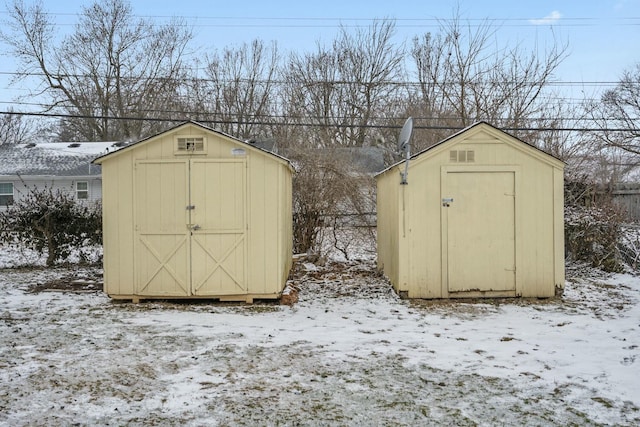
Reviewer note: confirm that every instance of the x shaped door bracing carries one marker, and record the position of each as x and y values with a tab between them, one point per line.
163	263
218	263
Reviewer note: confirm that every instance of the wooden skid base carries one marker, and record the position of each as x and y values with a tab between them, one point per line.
483	294
464	295
246	298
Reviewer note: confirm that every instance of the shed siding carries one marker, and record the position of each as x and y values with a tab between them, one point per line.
388	235
265	226
421	228
118	225
268	188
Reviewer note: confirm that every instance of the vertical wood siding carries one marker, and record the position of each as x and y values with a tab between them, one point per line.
413	224
268	210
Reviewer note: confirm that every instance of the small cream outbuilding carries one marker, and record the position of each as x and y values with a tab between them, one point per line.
195	213
481	215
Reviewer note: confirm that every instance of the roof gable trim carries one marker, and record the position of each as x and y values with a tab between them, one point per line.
177	128
498	136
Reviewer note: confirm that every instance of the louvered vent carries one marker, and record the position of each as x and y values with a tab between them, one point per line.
190	144
462	156
471	156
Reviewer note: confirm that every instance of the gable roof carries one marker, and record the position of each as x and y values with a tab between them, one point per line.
253	146
465	130
51	158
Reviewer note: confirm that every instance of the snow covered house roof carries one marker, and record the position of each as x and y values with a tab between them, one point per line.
53	158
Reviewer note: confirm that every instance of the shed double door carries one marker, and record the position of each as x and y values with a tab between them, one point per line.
191	227
480	231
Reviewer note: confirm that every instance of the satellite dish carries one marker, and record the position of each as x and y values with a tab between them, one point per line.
405	135
404	146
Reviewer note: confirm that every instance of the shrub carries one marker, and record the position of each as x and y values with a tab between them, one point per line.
50	221
629	246
593	234
328	197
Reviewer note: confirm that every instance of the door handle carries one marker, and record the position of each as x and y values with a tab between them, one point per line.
195	227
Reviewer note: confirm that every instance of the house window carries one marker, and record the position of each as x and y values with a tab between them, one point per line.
189	144
6	193
82	190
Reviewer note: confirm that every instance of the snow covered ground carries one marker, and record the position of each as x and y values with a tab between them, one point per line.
348	353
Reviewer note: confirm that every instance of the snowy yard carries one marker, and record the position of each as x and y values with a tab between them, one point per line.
348	353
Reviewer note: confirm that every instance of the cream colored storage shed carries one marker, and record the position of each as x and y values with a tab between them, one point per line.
195	213
481	215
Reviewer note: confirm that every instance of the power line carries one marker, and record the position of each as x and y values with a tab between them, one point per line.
303	124
561	83
273	116
278	21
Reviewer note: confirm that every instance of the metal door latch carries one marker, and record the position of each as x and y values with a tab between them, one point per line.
446	202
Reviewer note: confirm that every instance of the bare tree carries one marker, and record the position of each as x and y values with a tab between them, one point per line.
342	90
238	89
110	73
372	65
311	94
618	114
15	129
464	77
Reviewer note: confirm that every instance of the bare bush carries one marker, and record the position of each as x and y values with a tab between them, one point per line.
593	234
329	196
629	246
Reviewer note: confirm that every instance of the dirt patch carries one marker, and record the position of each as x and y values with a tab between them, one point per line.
90	280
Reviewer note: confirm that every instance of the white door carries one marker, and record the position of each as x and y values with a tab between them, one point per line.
191	227
480	231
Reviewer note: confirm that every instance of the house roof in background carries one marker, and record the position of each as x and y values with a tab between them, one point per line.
52	158
360	159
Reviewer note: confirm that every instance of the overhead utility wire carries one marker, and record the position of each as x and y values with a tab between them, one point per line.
412	22
323	82
299	124
285	116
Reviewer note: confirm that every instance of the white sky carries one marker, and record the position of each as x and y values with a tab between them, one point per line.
603	35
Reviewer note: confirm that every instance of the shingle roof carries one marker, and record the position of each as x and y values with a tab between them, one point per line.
51	159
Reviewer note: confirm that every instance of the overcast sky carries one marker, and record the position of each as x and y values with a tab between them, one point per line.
603	35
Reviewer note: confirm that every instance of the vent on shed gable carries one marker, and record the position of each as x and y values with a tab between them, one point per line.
462	156
193	144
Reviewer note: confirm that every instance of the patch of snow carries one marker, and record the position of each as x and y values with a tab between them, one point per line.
309	266
78	148
350	352
15	256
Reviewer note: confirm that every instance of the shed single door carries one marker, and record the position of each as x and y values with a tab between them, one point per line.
191	227
480	231
219	227
162	255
